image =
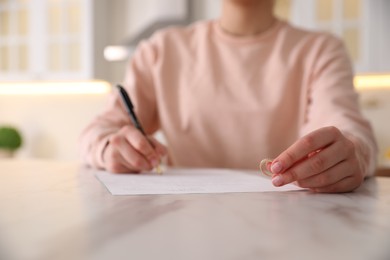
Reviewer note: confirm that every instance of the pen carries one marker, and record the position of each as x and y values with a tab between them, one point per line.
130	109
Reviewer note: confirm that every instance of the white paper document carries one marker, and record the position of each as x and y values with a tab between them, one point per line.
186	181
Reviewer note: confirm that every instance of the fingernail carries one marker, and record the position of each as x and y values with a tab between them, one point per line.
276	167
277	181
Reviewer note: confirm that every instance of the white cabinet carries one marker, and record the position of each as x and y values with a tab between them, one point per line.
49	39
361	24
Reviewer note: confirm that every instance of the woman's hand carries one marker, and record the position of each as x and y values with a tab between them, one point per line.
323	161
129	150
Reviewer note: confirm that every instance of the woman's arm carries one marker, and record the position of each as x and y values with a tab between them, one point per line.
337	149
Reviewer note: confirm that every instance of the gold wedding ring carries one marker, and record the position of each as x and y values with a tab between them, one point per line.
263	167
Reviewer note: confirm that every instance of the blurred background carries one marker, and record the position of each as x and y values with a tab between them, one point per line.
58	59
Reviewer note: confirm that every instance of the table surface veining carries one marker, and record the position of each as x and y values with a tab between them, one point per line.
59	210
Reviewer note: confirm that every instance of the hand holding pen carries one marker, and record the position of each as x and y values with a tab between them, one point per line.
130	149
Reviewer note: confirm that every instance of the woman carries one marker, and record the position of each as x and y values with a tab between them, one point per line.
230	92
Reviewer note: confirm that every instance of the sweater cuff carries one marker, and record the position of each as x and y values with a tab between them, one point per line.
365	153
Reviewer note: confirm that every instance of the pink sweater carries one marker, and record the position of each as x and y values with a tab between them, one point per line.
225	101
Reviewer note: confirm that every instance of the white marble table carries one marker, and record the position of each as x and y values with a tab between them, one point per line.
54	210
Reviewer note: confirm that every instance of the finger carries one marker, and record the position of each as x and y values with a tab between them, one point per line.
132	158
114	162
306	145
347	184
328	177
317	162
141	144
159	148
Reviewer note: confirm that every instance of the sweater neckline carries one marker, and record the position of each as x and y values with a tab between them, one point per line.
246	39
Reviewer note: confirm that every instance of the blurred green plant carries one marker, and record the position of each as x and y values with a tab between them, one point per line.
10	138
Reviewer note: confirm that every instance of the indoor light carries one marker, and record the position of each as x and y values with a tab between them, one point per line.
374	81
117	53
52	87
